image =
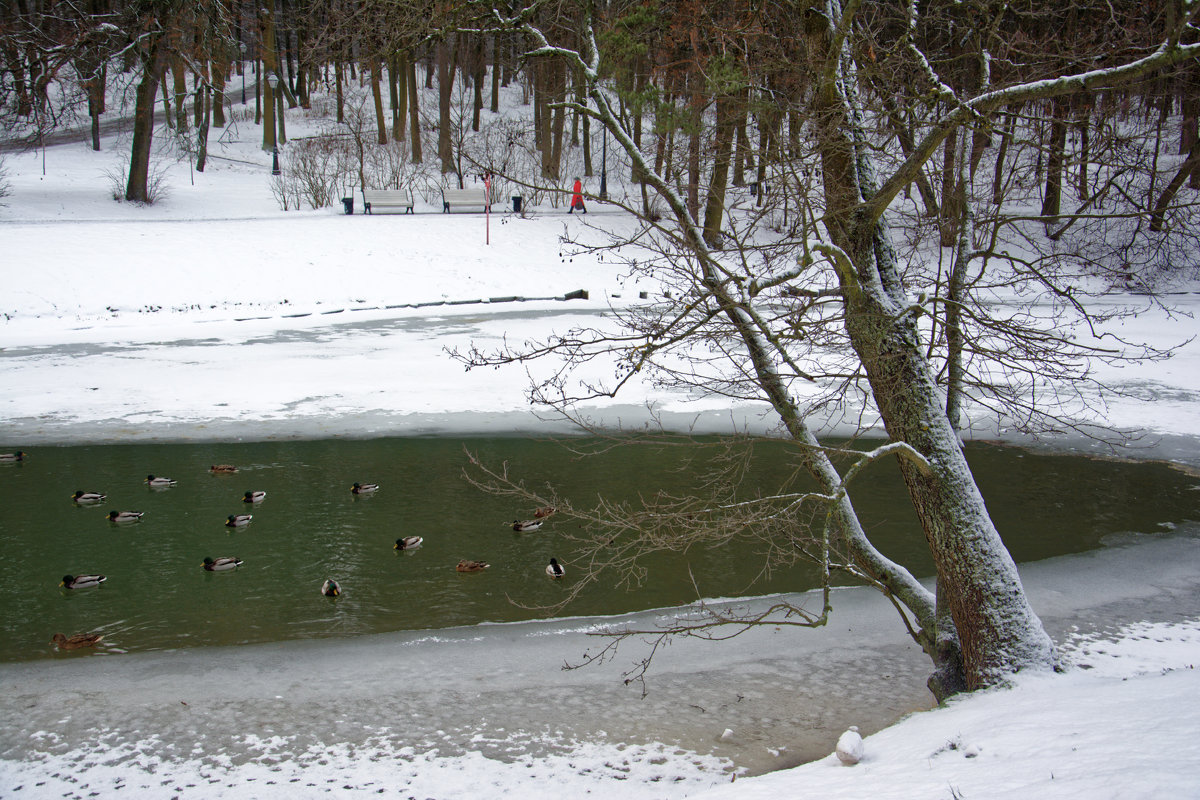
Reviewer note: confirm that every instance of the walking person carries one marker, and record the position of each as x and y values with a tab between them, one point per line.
577	197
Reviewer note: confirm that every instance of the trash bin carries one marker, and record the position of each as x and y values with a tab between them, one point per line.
348	203
516	203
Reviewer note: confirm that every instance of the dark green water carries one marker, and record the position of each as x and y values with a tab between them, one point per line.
310	527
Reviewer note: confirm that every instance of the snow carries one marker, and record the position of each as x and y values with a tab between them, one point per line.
213	314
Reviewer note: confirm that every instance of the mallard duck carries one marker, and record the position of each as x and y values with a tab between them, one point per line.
221	563
222	469
254	497
555	569
124	516
408	542
238	520
82	581
471	566
365	488
330	588
155	482
76	641
543	512
12	458
88	498
526	525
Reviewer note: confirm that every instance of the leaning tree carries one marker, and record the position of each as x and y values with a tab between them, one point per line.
825	300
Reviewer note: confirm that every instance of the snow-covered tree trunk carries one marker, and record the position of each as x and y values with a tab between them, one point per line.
997	629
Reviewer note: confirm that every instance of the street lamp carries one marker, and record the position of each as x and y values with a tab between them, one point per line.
273	81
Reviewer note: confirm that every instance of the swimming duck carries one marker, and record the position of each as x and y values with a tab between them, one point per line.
238	520
222	469
12	458
543	512
124	516
221	563
555	569
76	641
155	482
254	497
330	588
82	581
88	498
365	488
471	566
408	543
526	525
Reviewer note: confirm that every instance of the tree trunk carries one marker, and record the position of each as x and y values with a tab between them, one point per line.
496	74
202	129
341	94
714	209
137	188
376	95
696	109
220	70
394	96
446	64
1052	200
414	113
400	115
997	630
479	73
948	216
179	71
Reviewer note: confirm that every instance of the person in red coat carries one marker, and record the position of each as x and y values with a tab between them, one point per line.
577	197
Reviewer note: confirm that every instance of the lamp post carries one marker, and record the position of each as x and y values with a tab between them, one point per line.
604	166
269	122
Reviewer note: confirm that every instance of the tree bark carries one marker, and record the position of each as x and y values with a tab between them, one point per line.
714	209
446	63
137	186
377	97
414	112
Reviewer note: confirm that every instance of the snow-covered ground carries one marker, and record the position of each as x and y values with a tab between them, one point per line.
215	315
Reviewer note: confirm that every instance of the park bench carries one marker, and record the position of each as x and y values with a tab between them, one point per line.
388	198
470	199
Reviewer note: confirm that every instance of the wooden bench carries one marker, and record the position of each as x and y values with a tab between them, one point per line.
471	198
388	198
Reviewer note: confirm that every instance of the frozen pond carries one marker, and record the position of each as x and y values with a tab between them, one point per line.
408	711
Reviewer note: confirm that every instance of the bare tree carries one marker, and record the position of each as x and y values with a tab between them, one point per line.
827	304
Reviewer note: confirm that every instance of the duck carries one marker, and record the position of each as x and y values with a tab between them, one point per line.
555	569
471	566
156	482
12	458
408	543
364	488
82	581
222	469
254	497
526	525
76	641
88	498
238	520
330	588
124	516
543	512
221	563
